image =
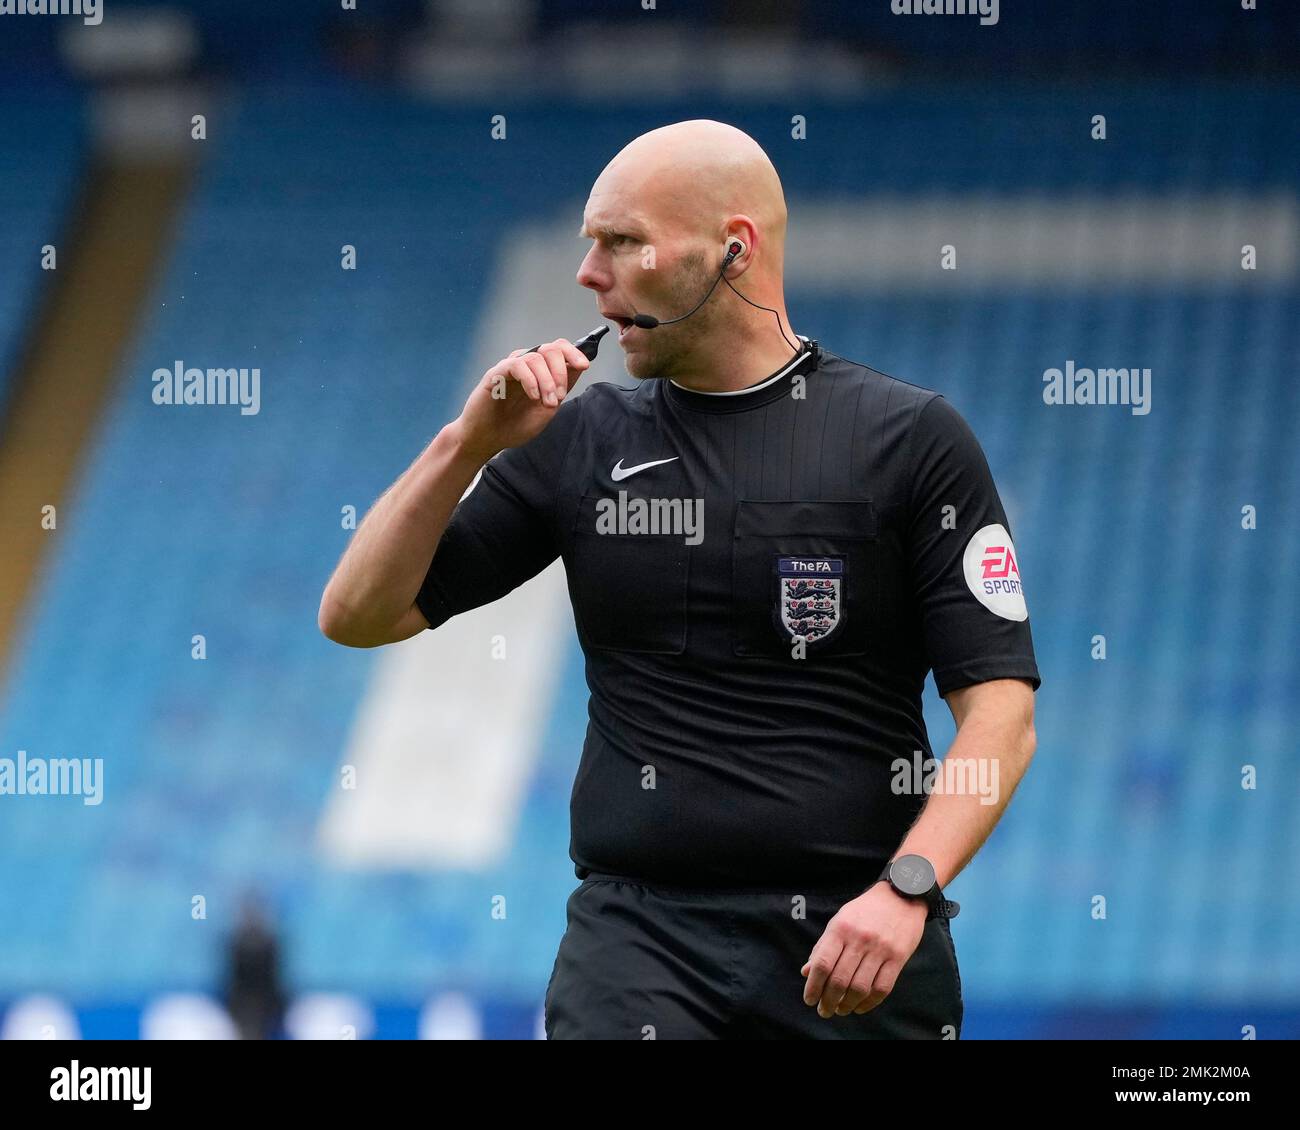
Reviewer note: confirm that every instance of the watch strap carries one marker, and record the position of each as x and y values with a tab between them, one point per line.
938	906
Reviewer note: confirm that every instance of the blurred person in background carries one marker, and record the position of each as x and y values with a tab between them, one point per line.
254	992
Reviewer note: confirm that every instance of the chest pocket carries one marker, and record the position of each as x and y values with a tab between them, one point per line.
628	590
804	569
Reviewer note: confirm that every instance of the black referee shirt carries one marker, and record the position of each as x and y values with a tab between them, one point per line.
761	581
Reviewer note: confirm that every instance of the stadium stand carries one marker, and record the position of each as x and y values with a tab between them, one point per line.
225	525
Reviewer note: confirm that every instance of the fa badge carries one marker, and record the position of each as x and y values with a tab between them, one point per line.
809	591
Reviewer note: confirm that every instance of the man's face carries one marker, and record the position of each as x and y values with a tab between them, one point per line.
638	264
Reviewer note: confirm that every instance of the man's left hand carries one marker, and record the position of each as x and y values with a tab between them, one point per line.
863	949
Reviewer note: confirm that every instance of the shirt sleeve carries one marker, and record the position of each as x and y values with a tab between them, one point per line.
503	531
965	574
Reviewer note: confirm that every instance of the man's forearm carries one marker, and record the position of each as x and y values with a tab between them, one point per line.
376	581
953	825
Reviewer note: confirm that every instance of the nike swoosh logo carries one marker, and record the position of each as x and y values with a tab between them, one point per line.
619	473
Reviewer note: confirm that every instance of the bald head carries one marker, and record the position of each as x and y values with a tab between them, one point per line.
691	177
662	214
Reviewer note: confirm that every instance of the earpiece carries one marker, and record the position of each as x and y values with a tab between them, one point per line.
735	247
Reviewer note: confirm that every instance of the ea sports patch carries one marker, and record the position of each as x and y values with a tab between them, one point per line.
992	573
810	595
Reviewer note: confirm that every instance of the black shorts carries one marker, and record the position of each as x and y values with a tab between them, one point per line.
642	962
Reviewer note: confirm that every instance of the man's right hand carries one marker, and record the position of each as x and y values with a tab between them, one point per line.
371	599
518	397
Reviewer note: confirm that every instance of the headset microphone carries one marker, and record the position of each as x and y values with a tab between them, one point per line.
649	321
589	344
734	247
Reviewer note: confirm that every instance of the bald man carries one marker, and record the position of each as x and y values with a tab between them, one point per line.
768	548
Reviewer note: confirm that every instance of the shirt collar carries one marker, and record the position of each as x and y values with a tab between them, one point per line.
752	396
781	372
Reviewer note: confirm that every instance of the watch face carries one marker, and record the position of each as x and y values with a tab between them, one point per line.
912	874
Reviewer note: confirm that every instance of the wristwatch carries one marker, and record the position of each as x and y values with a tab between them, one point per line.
912	876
